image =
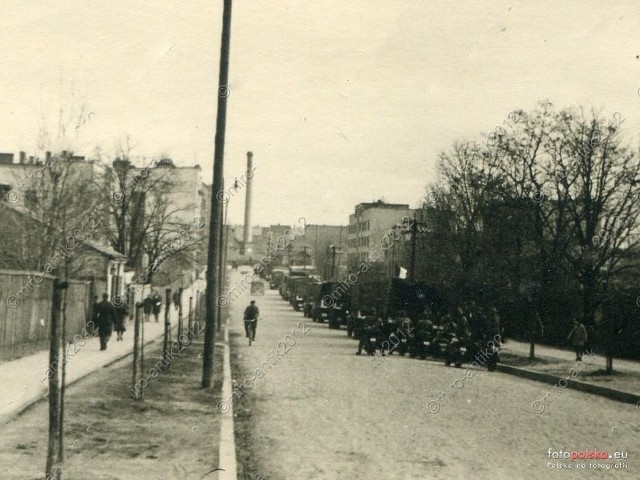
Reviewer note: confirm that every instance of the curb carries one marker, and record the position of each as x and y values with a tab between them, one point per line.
27	406
618	395
227	446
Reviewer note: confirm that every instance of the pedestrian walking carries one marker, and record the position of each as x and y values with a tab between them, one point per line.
147	307
106	316
157	305
176	299
121	319
578	337
93	323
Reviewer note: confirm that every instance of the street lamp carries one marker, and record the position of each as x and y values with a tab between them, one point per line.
334	250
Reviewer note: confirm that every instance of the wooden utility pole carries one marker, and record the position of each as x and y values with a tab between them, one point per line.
333	261
225	252
221	267
334	251
56	343
216	205
290	253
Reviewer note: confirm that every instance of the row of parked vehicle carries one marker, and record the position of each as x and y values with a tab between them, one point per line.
392	316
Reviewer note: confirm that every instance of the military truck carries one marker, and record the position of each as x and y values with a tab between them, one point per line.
322	301
300	289
277	277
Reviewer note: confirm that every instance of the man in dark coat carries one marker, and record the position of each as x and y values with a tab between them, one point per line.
251	313
105	316
147	307
176	299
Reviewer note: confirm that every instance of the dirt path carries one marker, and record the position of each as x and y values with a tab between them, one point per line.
171	435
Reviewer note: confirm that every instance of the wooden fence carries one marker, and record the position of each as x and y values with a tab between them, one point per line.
25	311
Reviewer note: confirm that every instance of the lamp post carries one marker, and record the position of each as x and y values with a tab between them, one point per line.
334	250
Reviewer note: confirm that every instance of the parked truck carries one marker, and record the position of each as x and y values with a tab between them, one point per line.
341	303
300	290
321	301
388	299
276	278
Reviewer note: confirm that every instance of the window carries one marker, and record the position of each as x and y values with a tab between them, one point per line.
4	190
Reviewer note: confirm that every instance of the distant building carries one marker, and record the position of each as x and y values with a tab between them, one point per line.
18	181
180	202
187	198
369	225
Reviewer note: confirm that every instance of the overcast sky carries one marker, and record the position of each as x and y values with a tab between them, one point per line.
341	101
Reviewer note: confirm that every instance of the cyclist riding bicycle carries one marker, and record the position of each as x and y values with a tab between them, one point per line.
251	314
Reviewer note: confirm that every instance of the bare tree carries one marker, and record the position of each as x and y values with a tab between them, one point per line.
560	187
141	218
167	238
601	181
458	206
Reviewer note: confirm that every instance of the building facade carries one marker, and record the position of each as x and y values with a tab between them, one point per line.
368	229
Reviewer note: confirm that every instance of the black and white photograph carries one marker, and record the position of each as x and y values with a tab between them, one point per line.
319	240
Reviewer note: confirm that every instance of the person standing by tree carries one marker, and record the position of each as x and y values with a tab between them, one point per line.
105	316
578	337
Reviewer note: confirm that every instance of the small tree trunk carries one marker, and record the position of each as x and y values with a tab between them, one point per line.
190	319
167	327
54	462
137	373
64	372
180	319
609	370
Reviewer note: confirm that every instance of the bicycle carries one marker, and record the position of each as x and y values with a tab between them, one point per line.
251	328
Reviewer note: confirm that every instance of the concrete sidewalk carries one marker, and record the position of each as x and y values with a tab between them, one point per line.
24	381
619	391
522	349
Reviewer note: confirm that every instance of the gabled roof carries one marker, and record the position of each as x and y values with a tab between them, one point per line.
101	249
104	250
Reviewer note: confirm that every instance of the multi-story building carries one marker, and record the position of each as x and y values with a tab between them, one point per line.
179	200
369	227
